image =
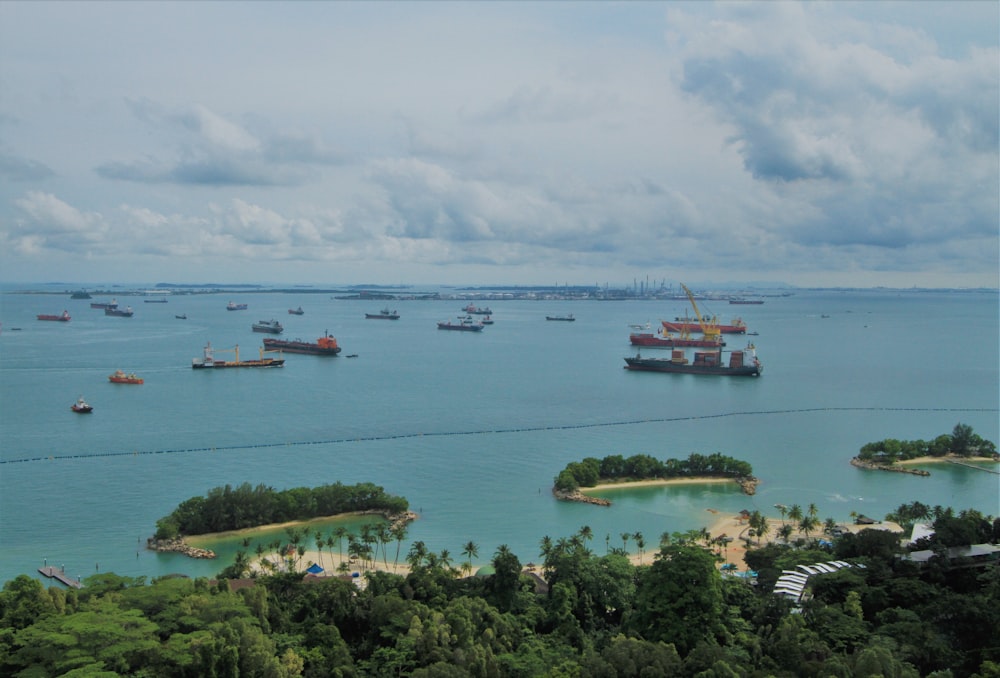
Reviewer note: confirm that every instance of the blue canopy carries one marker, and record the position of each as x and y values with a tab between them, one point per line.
314	569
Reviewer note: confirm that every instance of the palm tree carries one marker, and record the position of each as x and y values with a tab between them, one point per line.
640	543
813	511
782	509
829	525
607	543
340	533
444	559
786	532
664	539
625	537
470	551
807	525
795	514
586	533
545	546
416	554
319	546
398	533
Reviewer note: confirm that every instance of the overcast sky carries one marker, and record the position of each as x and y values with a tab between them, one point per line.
816	144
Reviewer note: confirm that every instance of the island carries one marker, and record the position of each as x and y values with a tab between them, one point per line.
899	456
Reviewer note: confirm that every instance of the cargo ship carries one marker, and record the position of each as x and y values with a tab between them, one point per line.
665	340
475	310
120	377
62	317
742	363
268	326
208	361
384	314
325	345
464	325
119	313
682	325
565	318
235	307
747	302
295	311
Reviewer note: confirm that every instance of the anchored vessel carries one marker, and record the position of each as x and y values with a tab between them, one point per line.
295	311
62	317
681	325
268	326
742	363
384	314
567	318
120	377
231	306
475	310
325	345
115	311
81	406
665	340
208	361
466	324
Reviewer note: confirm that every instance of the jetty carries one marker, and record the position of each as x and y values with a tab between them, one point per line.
60	576
972	466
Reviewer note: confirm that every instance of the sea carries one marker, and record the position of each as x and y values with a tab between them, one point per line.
471	428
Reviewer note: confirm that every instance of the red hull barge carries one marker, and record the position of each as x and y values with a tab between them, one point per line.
63	317
682	326
650	340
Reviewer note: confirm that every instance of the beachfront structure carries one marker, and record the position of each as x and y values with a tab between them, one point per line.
792	583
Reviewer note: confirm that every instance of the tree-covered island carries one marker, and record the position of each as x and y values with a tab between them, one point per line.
228	508
962	443
591	472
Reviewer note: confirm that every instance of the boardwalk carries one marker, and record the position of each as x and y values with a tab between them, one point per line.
60	575
972	466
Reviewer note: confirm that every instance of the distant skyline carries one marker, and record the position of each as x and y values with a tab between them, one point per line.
818	144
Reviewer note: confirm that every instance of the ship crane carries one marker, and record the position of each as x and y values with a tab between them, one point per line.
708	327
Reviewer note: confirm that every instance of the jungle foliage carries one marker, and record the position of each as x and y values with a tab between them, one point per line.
592	471
588	615
229	508
963	442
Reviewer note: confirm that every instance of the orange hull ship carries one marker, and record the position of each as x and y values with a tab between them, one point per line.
120	377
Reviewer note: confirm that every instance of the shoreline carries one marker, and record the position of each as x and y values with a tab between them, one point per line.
652	482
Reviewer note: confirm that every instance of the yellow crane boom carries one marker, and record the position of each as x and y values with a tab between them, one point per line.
708	328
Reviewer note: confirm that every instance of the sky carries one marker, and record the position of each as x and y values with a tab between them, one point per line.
816	144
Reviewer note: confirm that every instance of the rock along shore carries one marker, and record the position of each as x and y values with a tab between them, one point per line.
178	546
861	463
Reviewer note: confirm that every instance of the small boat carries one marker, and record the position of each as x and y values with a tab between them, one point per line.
296	311
475	310
268	326
62	317
231	306
81	406
119	313
209	362
565	318
486	320
182	316
352	355
465	324
120	377
384	314
325	345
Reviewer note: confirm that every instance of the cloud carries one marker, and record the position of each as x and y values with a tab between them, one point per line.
209	149
18	169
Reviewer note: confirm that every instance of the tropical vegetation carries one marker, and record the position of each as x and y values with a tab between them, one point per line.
235	508
962	442
577	614
592	471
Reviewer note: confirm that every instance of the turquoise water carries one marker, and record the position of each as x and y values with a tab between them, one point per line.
470	428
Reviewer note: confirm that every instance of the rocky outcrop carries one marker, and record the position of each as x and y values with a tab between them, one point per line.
748	484
576	495
871	466
178	546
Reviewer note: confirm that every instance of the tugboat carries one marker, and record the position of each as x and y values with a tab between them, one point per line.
268	326
120	377
325	345
81	406
62	317
384	314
